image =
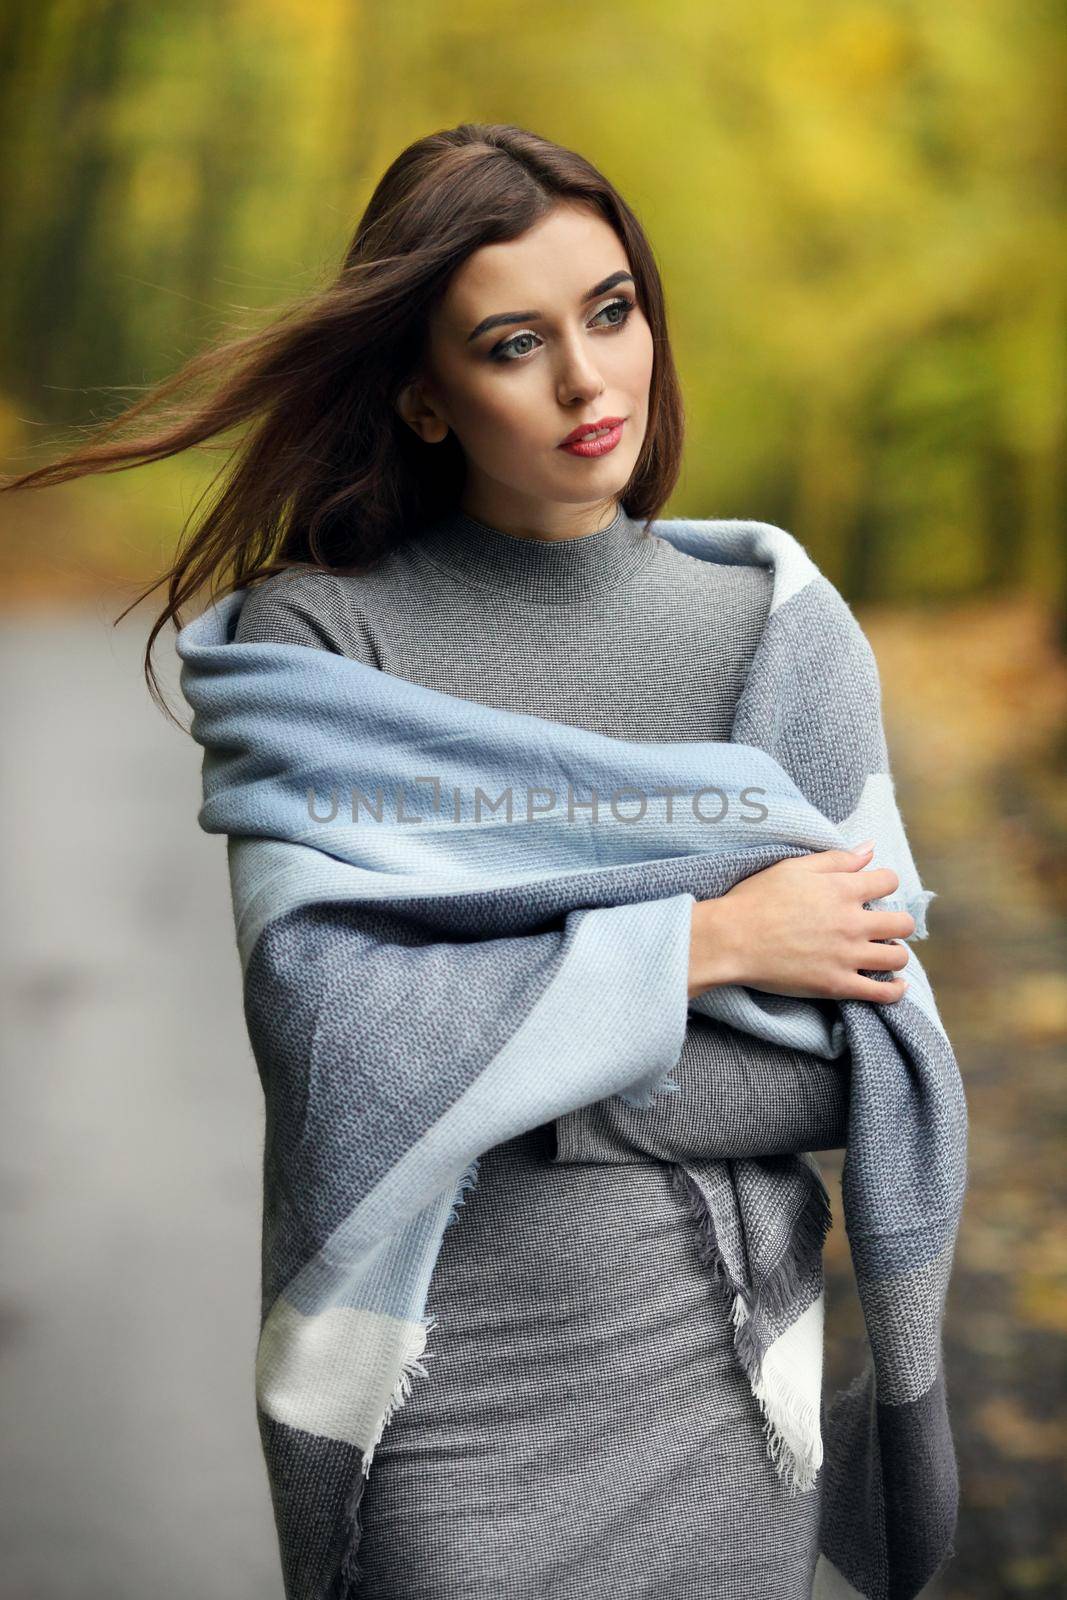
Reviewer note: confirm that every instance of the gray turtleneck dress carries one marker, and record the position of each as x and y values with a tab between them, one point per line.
584	1428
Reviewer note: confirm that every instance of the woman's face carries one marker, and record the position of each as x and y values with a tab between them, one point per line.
532	339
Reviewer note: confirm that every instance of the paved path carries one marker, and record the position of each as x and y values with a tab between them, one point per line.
130	1147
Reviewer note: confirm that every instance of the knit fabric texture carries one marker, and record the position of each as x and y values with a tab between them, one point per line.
585	1426
566	931
621	633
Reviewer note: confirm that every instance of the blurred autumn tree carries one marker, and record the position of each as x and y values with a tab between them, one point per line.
858	210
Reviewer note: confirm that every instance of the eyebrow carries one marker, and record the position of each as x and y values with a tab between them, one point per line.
505	317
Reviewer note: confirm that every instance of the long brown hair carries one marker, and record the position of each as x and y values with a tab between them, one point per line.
329	475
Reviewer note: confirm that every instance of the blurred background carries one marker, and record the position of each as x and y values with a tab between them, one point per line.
859	214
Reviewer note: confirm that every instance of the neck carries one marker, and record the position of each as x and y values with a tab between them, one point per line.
538	568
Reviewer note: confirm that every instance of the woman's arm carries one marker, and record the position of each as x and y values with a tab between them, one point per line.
798	927
739	1096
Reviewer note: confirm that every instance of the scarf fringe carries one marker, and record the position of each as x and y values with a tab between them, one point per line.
466	1183
798	1470
774	1295
349	1569
646	1099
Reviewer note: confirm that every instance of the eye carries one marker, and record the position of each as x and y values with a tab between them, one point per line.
621	304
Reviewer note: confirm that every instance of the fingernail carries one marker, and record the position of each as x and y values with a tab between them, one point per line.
862	849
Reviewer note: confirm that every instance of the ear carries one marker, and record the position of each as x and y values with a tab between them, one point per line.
416	408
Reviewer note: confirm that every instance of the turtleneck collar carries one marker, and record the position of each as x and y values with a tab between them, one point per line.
548	570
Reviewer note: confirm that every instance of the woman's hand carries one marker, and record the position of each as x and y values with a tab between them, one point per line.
799	928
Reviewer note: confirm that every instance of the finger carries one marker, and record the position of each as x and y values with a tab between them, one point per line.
836	860
881	991
889	924
875	883
891	957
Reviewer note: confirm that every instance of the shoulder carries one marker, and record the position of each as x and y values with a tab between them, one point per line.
829	653
307	606
746	585
806	615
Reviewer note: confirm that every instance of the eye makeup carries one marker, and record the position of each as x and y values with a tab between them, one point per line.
498	352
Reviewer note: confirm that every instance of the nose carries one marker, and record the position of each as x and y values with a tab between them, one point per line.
579	377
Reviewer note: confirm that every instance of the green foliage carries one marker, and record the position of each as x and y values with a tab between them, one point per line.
857	209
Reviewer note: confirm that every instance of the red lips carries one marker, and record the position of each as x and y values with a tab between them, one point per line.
587	427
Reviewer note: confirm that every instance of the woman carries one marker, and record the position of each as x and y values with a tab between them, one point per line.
458	449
